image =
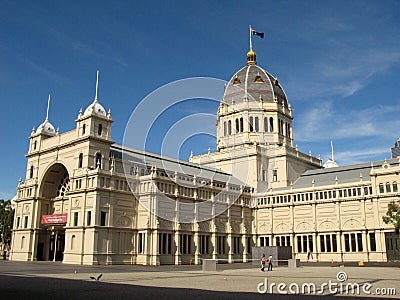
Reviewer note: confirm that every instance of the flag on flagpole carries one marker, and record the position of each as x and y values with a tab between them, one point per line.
260	34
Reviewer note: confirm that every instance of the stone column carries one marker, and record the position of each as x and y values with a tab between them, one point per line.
230	246
246	251
365	246
197	247
214	242
178	260
154	253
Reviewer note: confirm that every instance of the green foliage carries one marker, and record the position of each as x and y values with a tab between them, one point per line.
393	216
6	221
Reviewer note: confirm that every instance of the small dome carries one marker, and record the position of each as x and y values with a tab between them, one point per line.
330	164
95	108
47	128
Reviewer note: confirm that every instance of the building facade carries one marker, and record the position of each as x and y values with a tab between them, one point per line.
88	200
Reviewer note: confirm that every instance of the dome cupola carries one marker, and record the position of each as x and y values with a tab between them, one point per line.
95	108
46	127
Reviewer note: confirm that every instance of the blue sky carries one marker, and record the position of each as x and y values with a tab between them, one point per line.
338	61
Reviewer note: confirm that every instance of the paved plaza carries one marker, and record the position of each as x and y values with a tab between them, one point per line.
230	281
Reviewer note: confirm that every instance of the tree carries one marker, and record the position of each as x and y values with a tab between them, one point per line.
393	216
6	222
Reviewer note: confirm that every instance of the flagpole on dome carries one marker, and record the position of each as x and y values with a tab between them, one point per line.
250	33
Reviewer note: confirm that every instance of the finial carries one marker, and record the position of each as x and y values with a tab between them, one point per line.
48	107
80	113
33	130
209	150
97	84
251	55
191	153
109	113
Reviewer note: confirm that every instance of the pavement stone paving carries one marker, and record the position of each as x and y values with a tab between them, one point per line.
230	281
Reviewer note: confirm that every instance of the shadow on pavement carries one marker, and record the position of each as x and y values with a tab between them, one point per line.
22	287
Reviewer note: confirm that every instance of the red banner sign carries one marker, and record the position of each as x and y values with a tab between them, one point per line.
54	219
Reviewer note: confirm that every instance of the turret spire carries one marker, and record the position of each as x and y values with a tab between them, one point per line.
48	107
97	85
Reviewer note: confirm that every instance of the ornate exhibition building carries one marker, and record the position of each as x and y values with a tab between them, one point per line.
87	200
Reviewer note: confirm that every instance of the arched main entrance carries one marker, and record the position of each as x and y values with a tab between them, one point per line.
53	194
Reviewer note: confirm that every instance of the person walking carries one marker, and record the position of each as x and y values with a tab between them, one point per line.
263	262
269	262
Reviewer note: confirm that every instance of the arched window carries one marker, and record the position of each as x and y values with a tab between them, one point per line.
229	127
271	124
72	242
83	129
80	160
388	187
237	125
251	128
395	190
225	129
100	129
34	145
22	242
381	188
256	126
31	172
241	124
288	130
98	160
266	124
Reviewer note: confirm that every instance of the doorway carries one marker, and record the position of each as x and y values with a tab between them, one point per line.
56	246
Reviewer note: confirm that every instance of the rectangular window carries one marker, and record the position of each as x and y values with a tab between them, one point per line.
103	218
353	242
395	187
334	243
347	242
141	239
381	188
18	221
322	242
89	218
310	243
248	244
169	246
359	242
278	241
75	218
275	176
328	243
299	248
372	241
288	241
26	222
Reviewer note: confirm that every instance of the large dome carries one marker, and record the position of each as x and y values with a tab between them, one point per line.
252	83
